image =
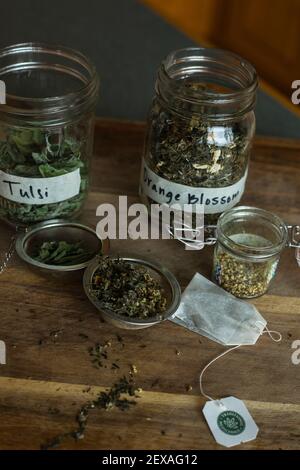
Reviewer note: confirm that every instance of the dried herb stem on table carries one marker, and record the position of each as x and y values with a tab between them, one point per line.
36	153
121	395
116	397
53	336
127	289
62	253
98	354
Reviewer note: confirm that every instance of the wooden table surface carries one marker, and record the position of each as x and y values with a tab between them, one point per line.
49	376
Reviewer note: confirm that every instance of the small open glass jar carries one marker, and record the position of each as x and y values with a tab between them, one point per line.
46	132
249	242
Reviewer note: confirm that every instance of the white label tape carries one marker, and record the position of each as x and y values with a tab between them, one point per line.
214	200
39	191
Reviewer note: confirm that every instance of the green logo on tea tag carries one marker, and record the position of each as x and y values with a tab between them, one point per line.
231	422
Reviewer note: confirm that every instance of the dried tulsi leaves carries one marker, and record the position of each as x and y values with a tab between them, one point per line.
36	153
62	253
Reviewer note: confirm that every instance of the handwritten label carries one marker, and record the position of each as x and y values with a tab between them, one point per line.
215	200
39	191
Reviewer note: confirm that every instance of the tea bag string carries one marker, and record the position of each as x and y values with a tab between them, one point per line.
271	333
209	364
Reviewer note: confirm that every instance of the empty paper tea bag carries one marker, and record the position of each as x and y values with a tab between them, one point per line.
207	309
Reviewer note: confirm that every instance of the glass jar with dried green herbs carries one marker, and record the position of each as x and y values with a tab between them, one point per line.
46	132
247	251
200	130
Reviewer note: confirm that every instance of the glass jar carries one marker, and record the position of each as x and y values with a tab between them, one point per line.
200	131
248	247
46	132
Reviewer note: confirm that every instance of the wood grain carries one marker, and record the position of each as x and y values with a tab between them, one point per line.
44	373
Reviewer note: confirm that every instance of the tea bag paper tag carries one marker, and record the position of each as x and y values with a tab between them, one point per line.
229	421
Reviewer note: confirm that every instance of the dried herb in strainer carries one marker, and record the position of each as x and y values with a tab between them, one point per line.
62	253
127	289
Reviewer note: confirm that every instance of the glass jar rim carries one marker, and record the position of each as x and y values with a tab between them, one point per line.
247	251
225	64
210	53
51	105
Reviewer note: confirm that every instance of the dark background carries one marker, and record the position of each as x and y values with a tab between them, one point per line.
126	41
